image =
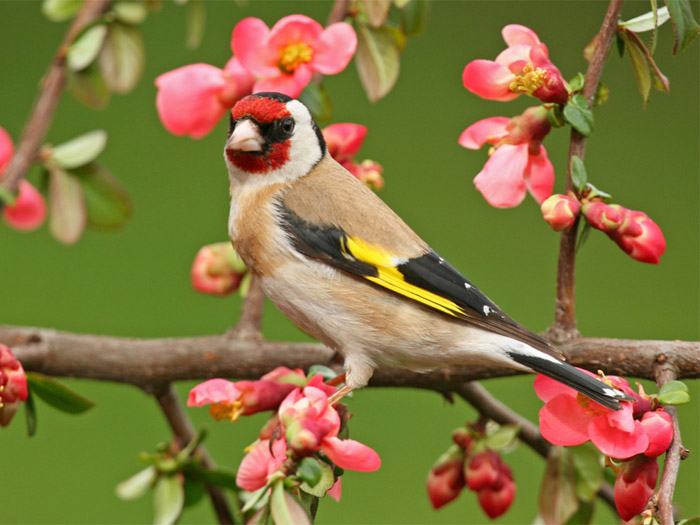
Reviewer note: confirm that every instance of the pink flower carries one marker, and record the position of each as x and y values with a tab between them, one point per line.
29	210
569	418
601	216
634	485
285	57
13	385
639	236
192	99
446	479
518	161
560	211
659	428
217	269
343	142
260	463
524	67
310	424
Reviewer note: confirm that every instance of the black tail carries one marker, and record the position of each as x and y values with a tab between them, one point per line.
565	373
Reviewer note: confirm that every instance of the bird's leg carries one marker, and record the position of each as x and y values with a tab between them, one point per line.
340	394
336	380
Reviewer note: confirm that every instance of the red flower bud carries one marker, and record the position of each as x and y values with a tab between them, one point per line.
217	269
495	500
659	428
446	479
639	236
483	470
462	438
601	216
13	385
634	485
560	211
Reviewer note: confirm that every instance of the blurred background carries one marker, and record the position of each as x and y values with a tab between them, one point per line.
136	282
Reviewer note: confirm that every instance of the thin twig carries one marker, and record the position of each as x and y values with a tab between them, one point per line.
564	326
487	405
250	321
47	100
184	432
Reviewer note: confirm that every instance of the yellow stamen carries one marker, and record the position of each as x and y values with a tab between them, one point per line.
293	55
529	81
2	387
230	411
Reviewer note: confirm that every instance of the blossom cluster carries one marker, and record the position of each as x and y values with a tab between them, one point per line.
343	142
471	463
192	99
13	385
303	424
632	437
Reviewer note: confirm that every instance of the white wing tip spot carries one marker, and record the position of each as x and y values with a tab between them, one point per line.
487	310
467	286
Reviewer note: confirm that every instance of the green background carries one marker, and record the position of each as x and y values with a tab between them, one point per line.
136	282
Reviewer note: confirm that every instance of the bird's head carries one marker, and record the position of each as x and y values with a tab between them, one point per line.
272	138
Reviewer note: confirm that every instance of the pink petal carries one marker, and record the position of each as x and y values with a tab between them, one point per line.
334	49
515	34
514	58
490	130
335	491
350	454
614	442
621	419
213	391
259	463
547	388
239	81
539	176
293	29
501	180
6	148
563	421
344	140
290	85
29	210
489	80
188	99
250	44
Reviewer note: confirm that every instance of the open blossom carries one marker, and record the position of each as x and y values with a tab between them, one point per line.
29	209
560	211
285	57
13	385
518	162
192	99
524	67
634	485
260	463
344	141
217	269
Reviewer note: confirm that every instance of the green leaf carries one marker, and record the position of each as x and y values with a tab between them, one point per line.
377	60
579	176
58	395
84	49
30	414
602	94
195	22
80	150
592	191
67	216
645	69
131	13
685	28
61	10
89	87
285	509
309	471
558	500
255	497
584	514
583	233
123	57
7	197
690	521
576	83
324	484
648	21
674	393
377	11
317	99
579	115
137	485
168	500
589	472
327	373
414	17
194	491
503	437
107	202
220	477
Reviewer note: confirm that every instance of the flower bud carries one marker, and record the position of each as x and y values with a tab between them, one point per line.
13	385
634	485
446	478
482	470
217	269
560	211
601	216
659	428
462	438
29	210
639	236
496	499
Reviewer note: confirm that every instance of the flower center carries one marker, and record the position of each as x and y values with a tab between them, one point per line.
529	81
230	411
293	55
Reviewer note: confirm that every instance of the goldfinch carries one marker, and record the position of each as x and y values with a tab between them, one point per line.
341	265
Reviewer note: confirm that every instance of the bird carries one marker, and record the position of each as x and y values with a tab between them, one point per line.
346	269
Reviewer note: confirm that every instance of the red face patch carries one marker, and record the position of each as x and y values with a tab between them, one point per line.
261	163
262	109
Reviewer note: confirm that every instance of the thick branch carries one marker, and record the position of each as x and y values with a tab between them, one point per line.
564	326
47	100
154	362
184	433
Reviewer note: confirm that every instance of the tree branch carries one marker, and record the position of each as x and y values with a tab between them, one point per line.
250	322
564	326
47	100
184	433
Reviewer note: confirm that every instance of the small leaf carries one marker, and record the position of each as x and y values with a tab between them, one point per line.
317	99
309	471
194	491
137	485
256	497
123	57
589	472
195	20
645	69
327	373
131	13
323	485
84	49
602	94
377	11
80	150
690	521
502	437
584	514
592	191
620	42
415	17
220	477
648	21
579	115
67	207
60	10
89	87
674	393
576	83
58	395
7	197
583	233
558	500
285	509
168	500
377	60
30	414
685	28
579	176
107	202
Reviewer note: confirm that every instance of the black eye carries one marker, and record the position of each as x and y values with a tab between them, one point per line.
287	125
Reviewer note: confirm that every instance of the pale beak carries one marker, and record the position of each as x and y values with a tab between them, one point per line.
245	137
